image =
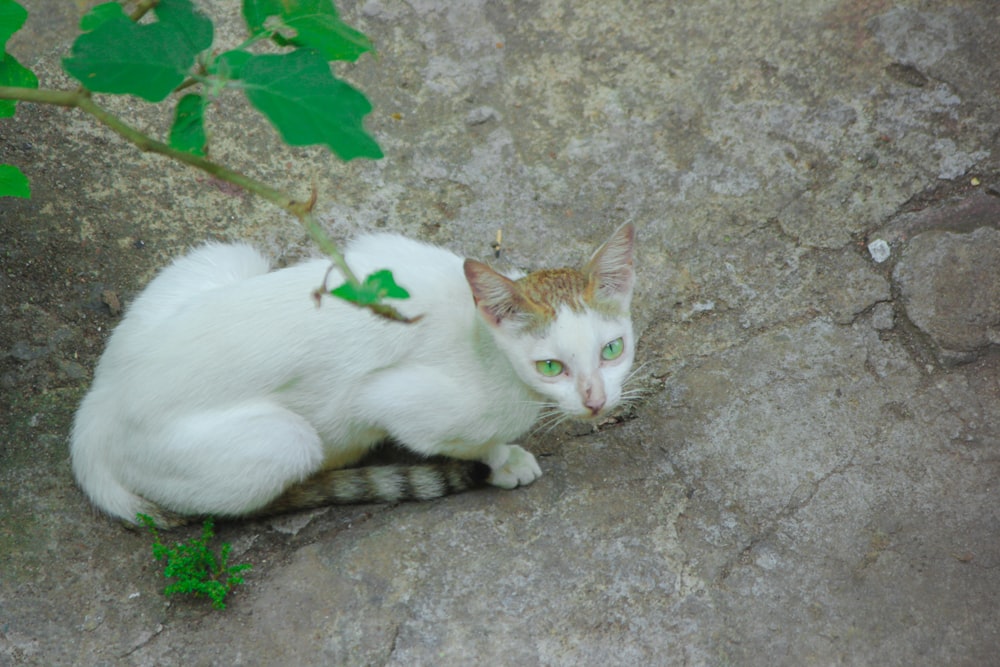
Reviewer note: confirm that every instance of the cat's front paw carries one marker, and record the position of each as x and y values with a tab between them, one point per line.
512	466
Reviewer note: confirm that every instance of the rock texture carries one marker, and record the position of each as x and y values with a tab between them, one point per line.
950	284
811	478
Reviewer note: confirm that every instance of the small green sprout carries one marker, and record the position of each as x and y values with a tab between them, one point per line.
195	568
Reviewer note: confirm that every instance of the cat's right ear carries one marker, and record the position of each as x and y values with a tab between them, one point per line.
496	296
610	270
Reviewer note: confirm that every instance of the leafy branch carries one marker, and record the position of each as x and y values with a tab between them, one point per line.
81	99
295	89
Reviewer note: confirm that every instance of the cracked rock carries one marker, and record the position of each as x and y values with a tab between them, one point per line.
883	317
858	288
951	290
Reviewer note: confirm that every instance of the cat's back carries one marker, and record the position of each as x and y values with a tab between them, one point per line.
214	271
218	312
206	268
402	255
431	274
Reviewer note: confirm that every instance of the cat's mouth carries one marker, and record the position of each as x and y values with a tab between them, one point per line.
591	416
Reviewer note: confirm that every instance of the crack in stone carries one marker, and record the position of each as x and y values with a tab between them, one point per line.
795	502
392	644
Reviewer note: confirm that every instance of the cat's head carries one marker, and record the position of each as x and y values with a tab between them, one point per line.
567	332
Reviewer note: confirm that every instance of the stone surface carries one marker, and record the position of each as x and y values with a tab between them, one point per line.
950	287
883	317
804	482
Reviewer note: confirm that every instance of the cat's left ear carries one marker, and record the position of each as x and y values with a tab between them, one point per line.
610	269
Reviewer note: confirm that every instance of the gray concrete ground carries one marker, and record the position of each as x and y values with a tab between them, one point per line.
814	476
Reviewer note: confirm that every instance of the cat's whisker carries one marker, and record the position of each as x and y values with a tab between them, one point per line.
633	388
549	415
550	419
544	405
636	369
636	392
557	420
634	373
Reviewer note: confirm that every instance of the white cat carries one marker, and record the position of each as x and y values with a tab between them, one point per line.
226	391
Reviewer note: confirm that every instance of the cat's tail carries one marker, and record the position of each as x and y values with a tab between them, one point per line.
344	486
380	484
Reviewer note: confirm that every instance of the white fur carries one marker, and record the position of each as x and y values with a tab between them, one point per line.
225	384
576	340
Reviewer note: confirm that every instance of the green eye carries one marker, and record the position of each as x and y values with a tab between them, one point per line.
549	368
613	350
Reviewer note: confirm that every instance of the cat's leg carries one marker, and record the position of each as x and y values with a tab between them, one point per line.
228	462
430	413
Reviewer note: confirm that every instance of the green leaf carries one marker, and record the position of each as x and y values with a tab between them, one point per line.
229	64
99	14
13	73
376	287
146	60
386	285
349	292
188	130
12	17
195	26
307	23
331	37
255	13
307	104
13	182
124	58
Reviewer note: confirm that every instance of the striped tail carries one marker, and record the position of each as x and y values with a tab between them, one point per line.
380	484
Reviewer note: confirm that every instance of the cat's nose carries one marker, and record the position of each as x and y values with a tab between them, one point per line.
594	398
594	403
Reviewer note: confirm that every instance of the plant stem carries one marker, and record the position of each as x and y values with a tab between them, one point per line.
142	8
80	99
